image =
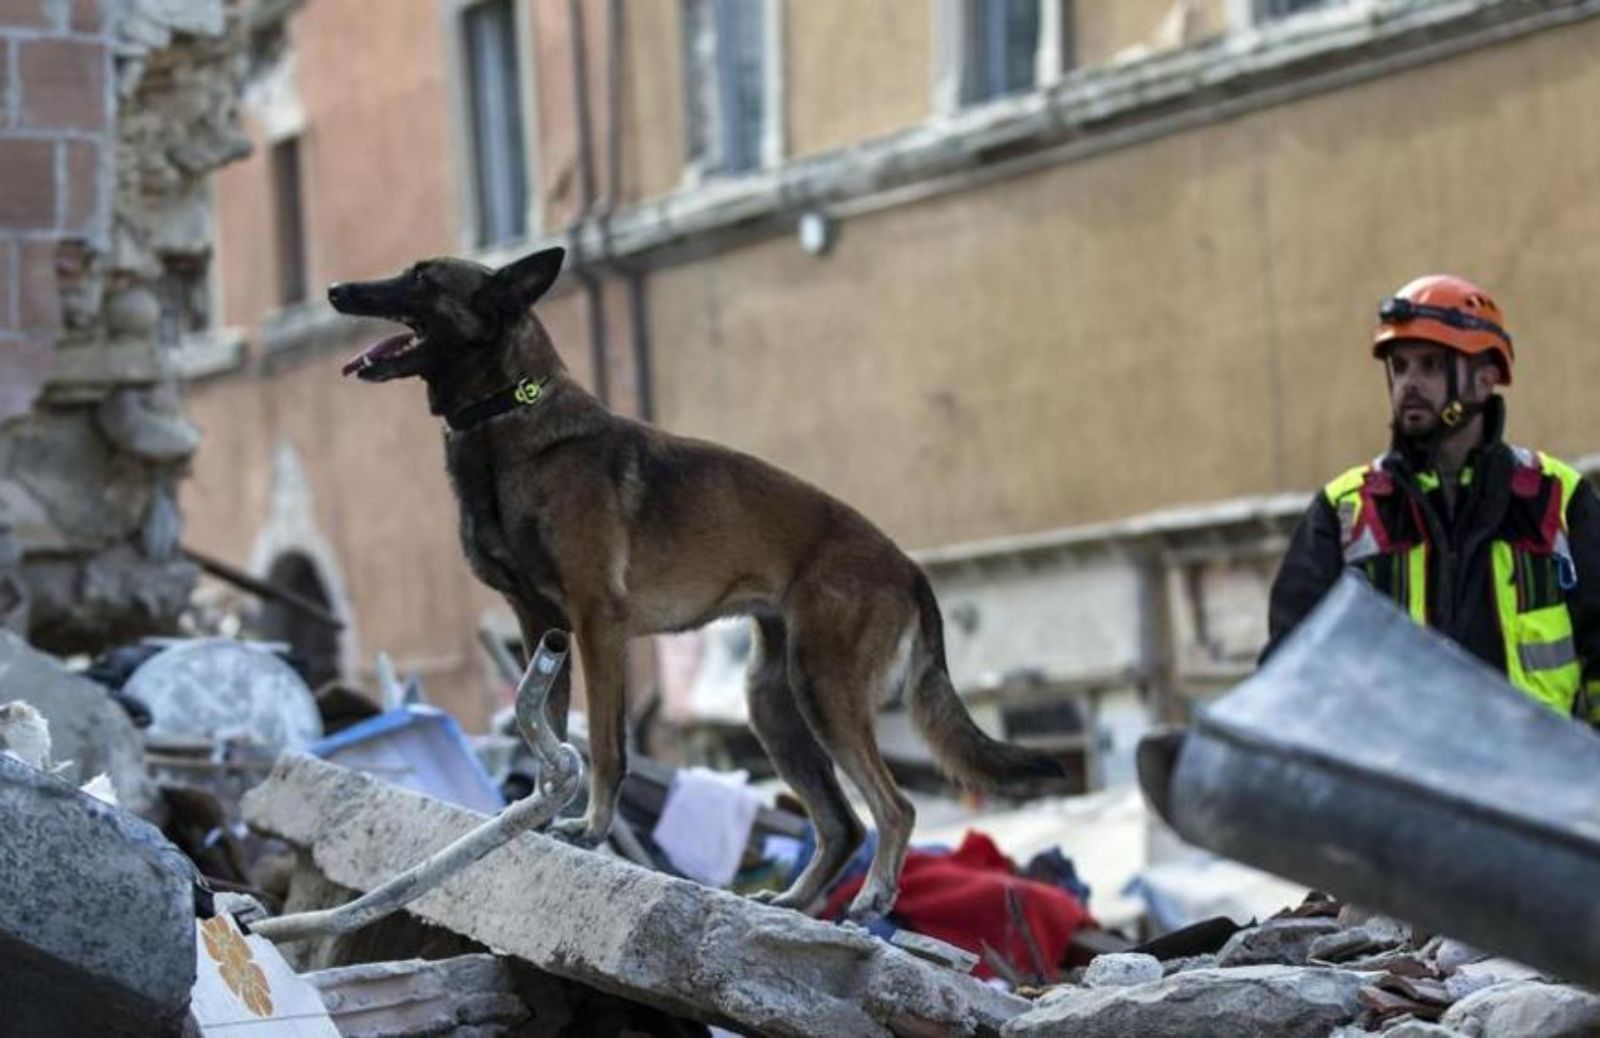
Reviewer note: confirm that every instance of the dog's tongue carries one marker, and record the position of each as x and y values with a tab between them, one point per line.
386	348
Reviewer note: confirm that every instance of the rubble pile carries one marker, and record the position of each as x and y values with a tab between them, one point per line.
1315	971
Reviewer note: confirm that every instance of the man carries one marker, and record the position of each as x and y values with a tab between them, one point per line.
1495	546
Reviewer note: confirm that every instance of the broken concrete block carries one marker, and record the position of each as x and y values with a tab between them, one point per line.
87	727
1244	1002
1526	1009
96	915
418	997
1122	970
682	947
1278	941
932	949
1185	963
1420	1029
148	423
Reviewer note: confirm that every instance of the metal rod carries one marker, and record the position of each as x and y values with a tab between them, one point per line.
558	785
263	588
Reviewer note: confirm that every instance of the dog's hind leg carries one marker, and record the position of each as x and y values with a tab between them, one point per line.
601	646
801	762
840	661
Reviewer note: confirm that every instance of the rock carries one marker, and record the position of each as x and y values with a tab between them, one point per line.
1340	946
1526	1009
1123	970
146	424
1278	941
96	914
135	311
1420	1029
1188	962
87	727
1449	954
673	944
1244	1002
419	997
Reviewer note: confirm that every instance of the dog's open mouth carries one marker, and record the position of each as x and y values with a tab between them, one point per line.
384	353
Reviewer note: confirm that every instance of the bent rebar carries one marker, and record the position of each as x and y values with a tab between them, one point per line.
560	776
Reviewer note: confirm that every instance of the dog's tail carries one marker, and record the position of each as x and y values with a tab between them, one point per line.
962	749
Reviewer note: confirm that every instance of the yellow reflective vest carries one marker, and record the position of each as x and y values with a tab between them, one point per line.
1383	532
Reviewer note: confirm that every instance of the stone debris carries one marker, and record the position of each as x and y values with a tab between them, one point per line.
417	997
1121	971
86	726
1526	1009
682	947
1275	941
93	901
1239	1002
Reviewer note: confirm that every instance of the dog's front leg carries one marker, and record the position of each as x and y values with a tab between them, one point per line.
601	646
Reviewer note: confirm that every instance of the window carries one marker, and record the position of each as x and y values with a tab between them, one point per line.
289	216
727	45
996	48
1266	10
494	103
1002	44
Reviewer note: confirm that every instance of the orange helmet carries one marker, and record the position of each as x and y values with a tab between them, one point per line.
1447	310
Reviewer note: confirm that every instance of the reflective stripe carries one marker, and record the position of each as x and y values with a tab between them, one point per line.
1547	655
1417	583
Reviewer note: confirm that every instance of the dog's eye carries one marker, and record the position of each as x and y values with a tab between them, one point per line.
416	277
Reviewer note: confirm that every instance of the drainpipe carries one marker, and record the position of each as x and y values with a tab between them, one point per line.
580	264
631	273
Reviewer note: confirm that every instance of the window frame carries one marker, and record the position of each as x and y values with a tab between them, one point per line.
1051	59
706	162
469	205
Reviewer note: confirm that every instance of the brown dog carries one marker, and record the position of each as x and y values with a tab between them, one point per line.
589	521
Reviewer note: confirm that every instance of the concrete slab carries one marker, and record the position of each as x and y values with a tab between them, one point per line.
96	914
87	727
685	948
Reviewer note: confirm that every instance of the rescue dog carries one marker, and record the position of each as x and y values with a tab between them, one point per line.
588	521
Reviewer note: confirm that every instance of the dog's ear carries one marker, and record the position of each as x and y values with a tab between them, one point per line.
519	284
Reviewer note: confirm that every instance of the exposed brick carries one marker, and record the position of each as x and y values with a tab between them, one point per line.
27	14
40	309
88	16
63	84
27	184
82	186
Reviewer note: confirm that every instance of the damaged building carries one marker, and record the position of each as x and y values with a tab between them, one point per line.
980	292
1072	297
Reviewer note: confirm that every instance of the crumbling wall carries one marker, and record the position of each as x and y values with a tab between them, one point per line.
113	115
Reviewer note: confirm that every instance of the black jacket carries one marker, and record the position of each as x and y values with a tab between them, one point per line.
1461	599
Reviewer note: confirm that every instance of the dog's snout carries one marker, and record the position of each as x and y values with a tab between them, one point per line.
338	292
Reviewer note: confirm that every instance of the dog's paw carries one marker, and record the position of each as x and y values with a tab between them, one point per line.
576	832
869	906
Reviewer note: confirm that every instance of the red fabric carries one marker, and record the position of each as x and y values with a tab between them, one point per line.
960	898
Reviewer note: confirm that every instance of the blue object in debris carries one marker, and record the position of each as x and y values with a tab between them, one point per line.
418	747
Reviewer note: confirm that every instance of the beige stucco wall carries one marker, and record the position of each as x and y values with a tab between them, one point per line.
654	145
1178	322
857	69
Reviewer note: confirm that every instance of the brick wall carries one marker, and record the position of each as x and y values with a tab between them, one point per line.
55	185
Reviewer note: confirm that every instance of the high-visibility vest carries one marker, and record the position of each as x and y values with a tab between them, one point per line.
1531	574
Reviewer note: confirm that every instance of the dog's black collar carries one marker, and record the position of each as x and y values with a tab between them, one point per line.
524	394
